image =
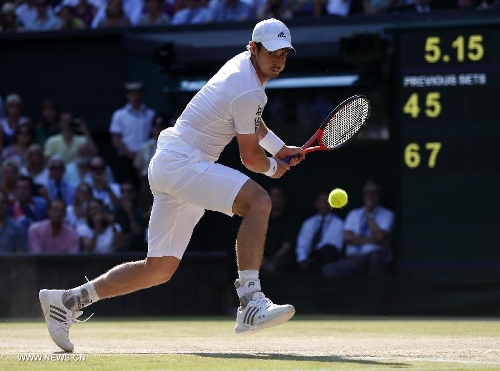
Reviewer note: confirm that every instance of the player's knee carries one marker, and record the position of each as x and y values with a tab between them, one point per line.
160	270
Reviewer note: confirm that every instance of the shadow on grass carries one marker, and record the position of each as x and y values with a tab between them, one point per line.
296	357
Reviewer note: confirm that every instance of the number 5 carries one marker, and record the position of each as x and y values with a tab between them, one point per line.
432	49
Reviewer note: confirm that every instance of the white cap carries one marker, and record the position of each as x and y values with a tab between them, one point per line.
273	34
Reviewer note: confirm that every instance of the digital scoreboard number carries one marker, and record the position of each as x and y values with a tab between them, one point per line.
447	103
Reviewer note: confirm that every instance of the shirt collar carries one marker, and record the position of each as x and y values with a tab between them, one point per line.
128	107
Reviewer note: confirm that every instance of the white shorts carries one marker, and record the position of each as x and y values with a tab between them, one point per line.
184	184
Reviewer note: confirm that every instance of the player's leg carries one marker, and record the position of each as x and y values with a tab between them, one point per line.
256	312
171	224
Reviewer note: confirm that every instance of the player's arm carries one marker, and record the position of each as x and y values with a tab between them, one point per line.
275	146
255	159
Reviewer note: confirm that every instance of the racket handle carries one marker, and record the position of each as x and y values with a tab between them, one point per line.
289	158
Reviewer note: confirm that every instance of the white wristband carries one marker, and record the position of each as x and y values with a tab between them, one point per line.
271	143
273	166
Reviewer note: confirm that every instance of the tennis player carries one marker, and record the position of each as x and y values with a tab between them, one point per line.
186	180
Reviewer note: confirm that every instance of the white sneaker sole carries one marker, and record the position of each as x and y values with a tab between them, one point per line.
249	329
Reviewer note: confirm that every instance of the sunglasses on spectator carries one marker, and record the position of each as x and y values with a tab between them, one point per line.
56	168
97	168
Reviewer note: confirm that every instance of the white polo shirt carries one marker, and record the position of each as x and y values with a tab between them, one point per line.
134	126
354	223
231	102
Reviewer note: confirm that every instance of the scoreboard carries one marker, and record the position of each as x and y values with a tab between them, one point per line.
447	143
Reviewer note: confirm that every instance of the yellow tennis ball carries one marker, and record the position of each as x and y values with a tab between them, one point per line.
337	198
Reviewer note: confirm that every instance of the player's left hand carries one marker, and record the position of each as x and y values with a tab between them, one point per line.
297	154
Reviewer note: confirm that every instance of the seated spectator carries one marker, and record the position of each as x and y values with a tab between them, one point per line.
100	234
56	186
195	12
377	6
13	119
340	8
155	15
73	133
321	237
275	9
132	11
79	171
8	19
45	20
85	10
367	234
69	20
115	15
10	174
144	156
417	6
26	11
108	193
49	125
232	11
52	235
35	166
24	137
13	237
27	208
76	212
281	235
130	218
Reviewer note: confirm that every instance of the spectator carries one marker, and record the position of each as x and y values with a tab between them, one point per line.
275	9
130	128
108	193
13	119
145	154
69	20
130	218
45	20
13	237
321	237
35	166
76	212
26	11
49	125
281	235
195	12
340	8
367	236
100	234
73	133
132	11
10	175
53	235
23	139
115	15
27	208
377	6
225	11
57	187
416	6
155	15
84	10
79	171
8	19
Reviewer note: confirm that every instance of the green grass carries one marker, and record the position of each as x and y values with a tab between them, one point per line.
304	343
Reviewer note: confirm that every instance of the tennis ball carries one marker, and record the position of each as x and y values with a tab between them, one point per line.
337	198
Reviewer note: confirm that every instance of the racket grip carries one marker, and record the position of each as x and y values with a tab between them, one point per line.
289	158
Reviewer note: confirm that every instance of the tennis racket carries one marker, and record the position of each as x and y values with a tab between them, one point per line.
340	126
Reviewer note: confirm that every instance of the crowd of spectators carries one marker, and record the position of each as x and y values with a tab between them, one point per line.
59	194
45	15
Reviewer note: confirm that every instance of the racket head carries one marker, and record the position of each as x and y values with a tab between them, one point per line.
344	123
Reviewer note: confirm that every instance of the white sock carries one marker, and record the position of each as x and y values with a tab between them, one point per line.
80	297
248	275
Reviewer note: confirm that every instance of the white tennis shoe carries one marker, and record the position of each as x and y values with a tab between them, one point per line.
59	318
261	313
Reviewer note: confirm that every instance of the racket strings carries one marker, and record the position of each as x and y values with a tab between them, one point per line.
346	123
